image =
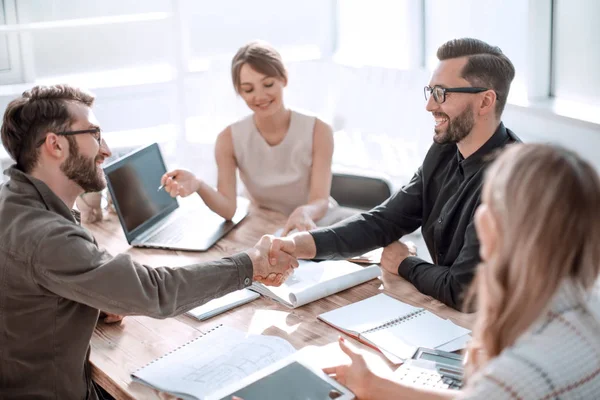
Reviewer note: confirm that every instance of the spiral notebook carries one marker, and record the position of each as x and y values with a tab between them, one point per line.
395	328
211	362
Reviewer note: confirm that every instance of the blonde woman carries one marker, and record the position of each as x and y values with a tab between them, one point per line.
283	156
537	333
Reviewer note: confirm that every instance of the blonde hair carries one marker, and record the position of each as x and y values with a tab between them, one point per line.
546	203
262	57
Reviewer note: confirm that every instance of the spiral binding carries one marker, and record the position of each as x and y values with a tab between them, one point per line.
395	321
177	348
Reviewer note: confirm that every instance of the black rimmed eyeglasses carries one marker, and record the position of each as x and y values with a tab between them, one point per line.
96	132
439	93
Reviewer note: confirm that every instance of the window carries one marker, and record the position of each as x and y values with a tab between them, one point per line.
500	23
214	30
160	68
380	33
10	60
74	37
576	58
4	55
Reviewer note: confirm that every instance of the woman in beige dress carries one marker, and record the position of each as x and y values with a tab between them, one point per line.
283	156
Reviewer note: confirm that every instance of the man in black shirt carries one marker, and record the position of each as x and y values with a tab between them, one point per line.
466	96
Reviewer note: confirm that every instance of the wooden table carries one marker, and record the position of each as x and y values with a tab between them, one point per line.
120	349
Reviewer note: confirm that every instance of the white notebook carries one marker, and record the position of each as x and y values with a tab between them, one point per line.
395	328
211	362
314	280
222	304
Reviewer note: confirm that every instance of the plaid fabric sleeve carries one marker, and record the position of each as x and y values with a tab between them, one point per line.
558	361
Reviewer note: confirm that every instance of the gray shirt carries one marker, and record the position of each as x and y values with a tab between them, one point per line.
54	279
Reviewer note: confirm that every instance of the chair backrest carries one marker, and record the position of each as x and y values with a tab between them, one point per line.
363	192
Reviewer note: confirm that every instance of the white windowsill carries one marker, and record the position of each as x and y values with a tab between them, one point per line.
115	78
84	22
578	112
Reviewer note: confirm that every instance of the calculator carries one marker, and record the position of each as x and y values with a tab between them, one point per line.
432	369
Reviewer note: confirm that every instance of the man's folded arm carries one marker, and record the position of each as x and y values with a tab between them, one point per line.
68	264
401	214
447	284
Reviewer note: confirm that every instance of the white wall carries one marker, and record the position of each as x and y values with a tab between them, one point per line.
577	50
500	23
542	126
378	114
221	27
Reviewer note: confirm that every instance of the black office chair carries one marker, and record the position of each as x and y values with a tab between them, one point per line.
362	192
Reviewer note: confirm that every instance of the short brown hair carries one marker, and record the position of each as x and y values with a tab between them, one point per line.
487	66
262	57
39	110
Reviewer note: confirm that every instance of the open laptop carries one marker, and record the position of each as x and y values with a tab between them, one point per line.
151	217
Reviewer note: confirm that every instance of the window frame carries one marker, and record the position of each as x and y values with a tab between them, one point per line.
14	73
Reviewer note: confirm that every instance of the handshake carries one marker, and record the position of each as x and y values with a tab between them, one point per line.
273	260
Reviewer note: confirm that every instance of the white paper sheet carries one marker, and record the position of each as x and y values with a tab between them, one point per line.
222	304
314	280
223	356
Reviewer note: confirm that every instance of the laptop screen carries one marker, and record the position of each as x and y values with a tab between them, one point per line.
133	181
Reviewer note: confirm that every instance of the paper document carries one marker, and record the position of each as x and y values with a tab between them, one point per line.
222	304
315	280
211	362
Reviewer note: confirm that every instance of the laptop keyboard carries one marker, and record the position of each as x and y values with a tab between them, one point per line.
176	230
171	234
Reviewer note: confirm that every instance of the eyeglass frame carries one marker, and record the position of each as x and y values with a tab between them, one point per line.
472	90
78	132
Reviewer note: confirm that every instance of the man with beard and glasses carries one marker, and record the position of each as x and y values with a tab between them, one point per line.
466	96
53	277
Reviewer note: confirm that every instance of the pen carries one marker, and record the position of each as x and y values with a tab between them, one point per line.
160	187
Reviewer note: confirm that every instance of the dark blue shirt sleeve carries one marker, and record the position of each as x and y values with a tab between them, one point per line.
448	284
399	215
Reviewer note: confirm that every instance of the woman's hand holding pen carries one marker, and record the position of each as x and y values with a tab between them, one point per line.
179	182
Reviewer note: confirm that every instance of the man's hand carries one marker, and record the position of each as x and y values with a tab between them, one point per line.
110	318
300	245
298	220
395	253
271	270
356	376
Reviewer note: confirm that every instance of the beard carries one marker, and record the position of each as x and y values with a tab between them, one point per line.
82	170
458	128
